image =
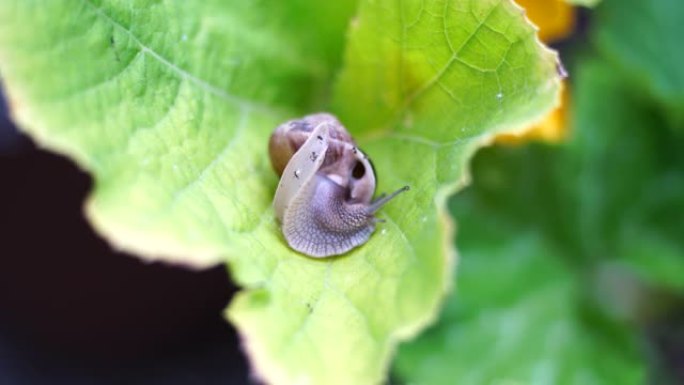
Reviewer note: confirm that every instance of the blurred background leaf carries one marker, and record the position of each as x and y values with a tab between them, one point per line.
643	40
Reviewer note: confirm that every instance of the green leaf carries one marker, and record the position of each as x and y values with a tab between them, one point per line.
444	71
170	107
394	94
630	170
643	39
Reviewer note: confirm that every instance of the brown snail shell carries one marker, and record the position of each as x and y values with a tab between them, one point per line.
324	200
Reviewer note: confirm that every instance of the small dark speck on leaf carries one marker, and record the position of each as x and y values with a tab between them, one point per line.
319	137
314	156
296	174
112	43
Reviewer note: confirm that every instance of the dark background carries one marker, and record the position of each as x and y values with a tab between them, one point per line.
73	310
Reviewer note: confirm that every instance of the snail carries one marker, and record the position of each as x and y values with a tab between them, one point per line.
324	200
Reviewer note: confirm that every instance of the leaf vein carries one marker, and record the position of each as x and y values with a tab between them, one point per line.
182	73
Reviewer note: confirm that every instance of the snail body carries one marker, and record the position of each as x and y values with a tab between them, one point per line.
324	200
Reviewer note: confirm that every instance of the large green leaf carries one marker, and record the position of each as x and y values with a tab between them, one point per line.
643	38
170	105
629	186
390	288
557	246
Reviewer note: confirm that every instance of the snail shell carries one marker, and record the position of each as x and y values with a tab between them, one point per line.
324	200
